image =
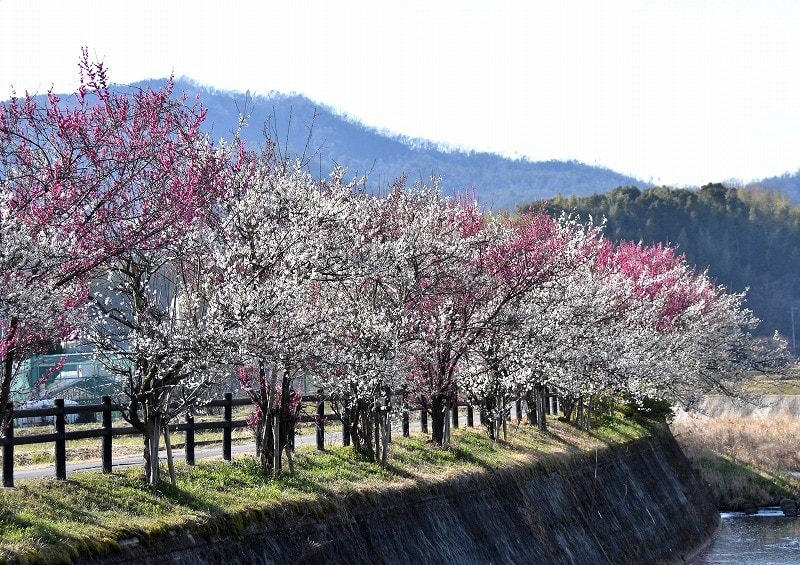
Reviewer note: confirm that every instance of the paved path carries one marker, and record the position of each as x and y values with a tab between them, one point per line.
96	465
22	473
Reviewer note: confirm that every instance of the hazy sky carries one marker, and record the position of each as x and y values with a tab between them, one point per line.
680	92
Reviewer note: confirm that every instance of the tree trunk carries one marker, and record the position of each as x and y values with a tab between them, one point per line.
446	435
273	428
387	437
5	390
541	409
289	459
276	441
170	463
8	375
266	442
376	411
502	418
587	416
490	421
569	404
437	419
282	432
531	407
259	434
362	429
151	443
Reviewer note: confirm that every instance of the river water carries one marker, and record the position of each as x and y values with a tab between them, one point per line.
766	537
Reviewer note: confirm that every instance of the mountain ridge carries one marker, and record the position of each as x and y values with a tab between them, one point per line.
337	138
788	184
499	181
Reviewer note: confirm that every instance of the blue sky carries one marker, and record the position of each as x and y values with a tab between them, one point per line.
677	92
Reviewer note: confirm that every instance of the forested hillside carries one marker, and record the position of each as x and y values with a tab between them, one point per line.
745	238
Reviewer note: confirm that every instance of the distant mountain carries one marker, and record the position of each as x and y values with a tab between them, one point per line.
499	183
787	183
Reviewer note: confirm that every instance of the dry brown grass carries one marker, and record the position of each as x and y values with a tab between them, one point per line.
743	458
785	382
772	443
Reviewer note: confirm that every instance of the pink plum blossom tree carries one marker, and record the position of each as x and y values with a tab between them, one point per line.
111	181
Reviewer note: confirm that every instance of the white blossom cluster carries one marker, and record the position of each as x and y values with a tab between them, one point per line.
363	295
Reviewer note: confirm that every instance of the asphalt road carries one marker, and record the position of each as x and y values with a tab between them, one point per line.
95	465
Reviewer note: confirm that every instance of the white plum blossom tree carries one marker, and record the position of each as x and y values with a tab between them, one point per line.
280	242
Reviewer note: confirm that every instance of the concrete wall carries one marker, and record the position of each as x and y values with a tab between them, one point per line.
768	406
639	503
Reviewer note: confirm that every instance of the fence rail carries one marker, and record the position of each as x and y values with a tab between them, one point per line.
106	432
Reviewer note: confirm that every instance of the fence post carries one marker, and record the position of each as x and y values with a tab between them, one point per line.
454	404
189	439
376	410
61	443
226	431
346	427
107	437
320	420
518	407
276	443
405	413
423	420
388	415
8	448
470	415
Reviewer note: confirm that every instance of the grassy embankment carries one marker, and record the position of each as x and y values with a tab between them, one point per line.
53	521
746	458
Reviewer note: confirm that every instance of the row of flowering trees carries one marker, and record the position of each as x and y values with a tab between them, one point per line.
184	262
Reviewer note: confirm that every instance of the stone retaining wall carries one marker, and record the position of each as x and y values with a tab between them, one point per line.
638	503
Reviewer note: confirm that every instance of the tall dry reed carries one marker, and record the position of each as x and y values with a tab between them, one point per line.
743	458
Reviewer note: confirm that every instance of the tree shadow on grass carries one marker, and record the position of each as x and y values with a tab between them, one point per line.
615	428
61	500
12	523
56	521
571	444
466	448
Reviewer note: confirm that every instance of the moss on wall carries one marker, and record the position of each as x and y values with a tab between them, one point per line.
636	503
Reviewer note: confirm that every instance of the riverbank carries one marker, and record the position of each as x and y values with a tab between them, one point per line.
633	503
551	495
746	454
